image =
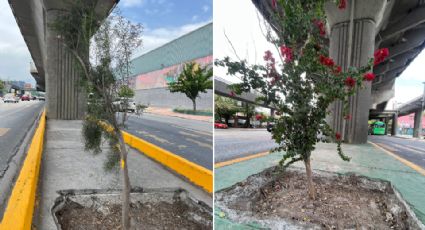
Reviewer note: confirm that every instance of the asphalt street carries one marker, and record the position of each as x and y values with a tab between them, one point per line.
190	139
412	150
15	121
235	143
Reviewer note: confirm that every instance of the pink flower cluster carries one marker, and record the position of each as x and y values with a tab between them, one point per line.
342	4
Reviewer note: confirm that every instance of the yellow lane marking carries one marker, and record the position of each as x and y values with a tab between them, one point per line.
402	160
205	145
3	131
237	160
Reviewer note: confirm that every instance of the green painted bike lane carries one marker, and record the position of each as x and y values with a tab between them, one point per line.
366	160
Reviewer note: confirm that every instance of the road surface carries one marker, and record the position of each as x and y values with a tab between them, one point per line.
15	121
412	149
190	139
235	143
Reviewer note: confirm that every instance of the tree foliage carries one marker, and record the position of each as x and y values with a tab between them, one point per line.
302	83
225	108
194	79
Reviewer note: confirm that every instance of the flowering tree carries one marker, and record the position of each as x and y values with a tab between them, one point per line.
306	82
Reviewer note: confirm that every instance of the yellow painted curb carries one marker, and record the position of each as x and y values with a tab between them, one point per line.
195	173
402	160
237	160
20	207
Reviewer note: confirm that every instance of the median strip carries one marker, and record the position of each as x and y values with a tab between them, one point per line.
20	206
195	173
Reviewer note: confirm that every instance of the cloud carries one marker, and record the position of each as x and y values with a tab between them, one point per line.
205	8
132	3
195	17
14	54
154	38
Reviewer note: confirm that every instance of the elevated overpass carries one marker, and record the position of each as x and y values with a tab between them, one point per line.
398	25
414	106
53	66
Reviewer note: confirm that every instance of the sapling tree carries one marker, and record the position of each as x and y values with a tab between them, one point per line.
194	79
102	55
303	83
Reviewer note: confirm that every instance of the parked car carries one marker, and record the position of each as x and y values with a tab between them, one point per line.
10	98
219	125
119	103
41	98
25	97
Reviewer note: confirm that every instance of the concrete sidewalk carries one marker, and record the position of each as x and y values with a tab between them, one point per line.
169	112
65	165
366	160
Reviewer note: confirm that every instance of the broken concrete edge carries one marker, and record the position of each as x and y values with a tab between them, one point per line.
65	195
20	207
15	164
196	174
220	208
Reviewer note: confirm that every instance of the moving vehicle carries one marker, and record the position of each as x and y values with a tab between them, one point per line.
10	98
378	128
219	125
120	104
25	97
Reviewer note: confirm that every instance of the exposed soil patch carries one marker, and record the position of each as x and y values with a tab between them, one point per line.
279	200
146	213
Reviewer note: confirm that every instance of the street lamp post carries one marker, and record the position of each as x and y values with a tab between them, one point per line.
422	110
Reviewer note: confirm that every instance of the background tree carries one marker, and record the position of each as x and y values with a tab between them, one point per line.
193	80
2	86
304	83
102	55
249	111
225	108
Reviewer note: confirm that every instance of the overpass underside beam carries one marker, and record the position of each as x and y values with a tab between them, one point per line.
362	48
65	96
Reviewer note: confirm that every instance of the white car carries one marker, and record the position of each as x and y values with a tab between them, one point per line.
10	98
120	104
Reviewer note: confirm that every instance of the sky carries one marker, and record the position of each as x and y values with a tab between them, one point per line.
162	21
246	33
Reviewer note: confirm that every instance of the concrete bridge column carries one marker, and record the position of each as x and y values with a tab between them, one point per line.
365	20
394	125
65	98
417	126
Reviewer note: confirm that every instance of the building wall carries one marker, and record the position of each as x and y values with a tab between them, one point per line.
154	70
161	97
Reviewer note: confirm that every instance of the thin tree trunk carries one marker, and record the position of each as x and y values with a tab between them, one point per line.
310	184
126	188
194	104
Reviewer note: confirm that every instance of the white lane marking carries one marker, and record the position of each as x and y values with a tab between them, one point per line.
3	131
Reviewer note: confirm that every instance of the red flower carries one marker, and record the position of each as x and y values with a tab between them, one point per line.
258	117
274	4
321	27
338	136
232	93
368	76
350	82
338	70
342	4
287	53
326	61
347	117
380	55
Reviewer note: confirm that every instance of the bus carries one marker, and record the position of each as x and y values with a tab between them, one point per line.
378	128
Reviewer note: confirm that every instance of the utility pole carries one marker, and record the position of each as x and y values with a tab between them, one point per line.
421	113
